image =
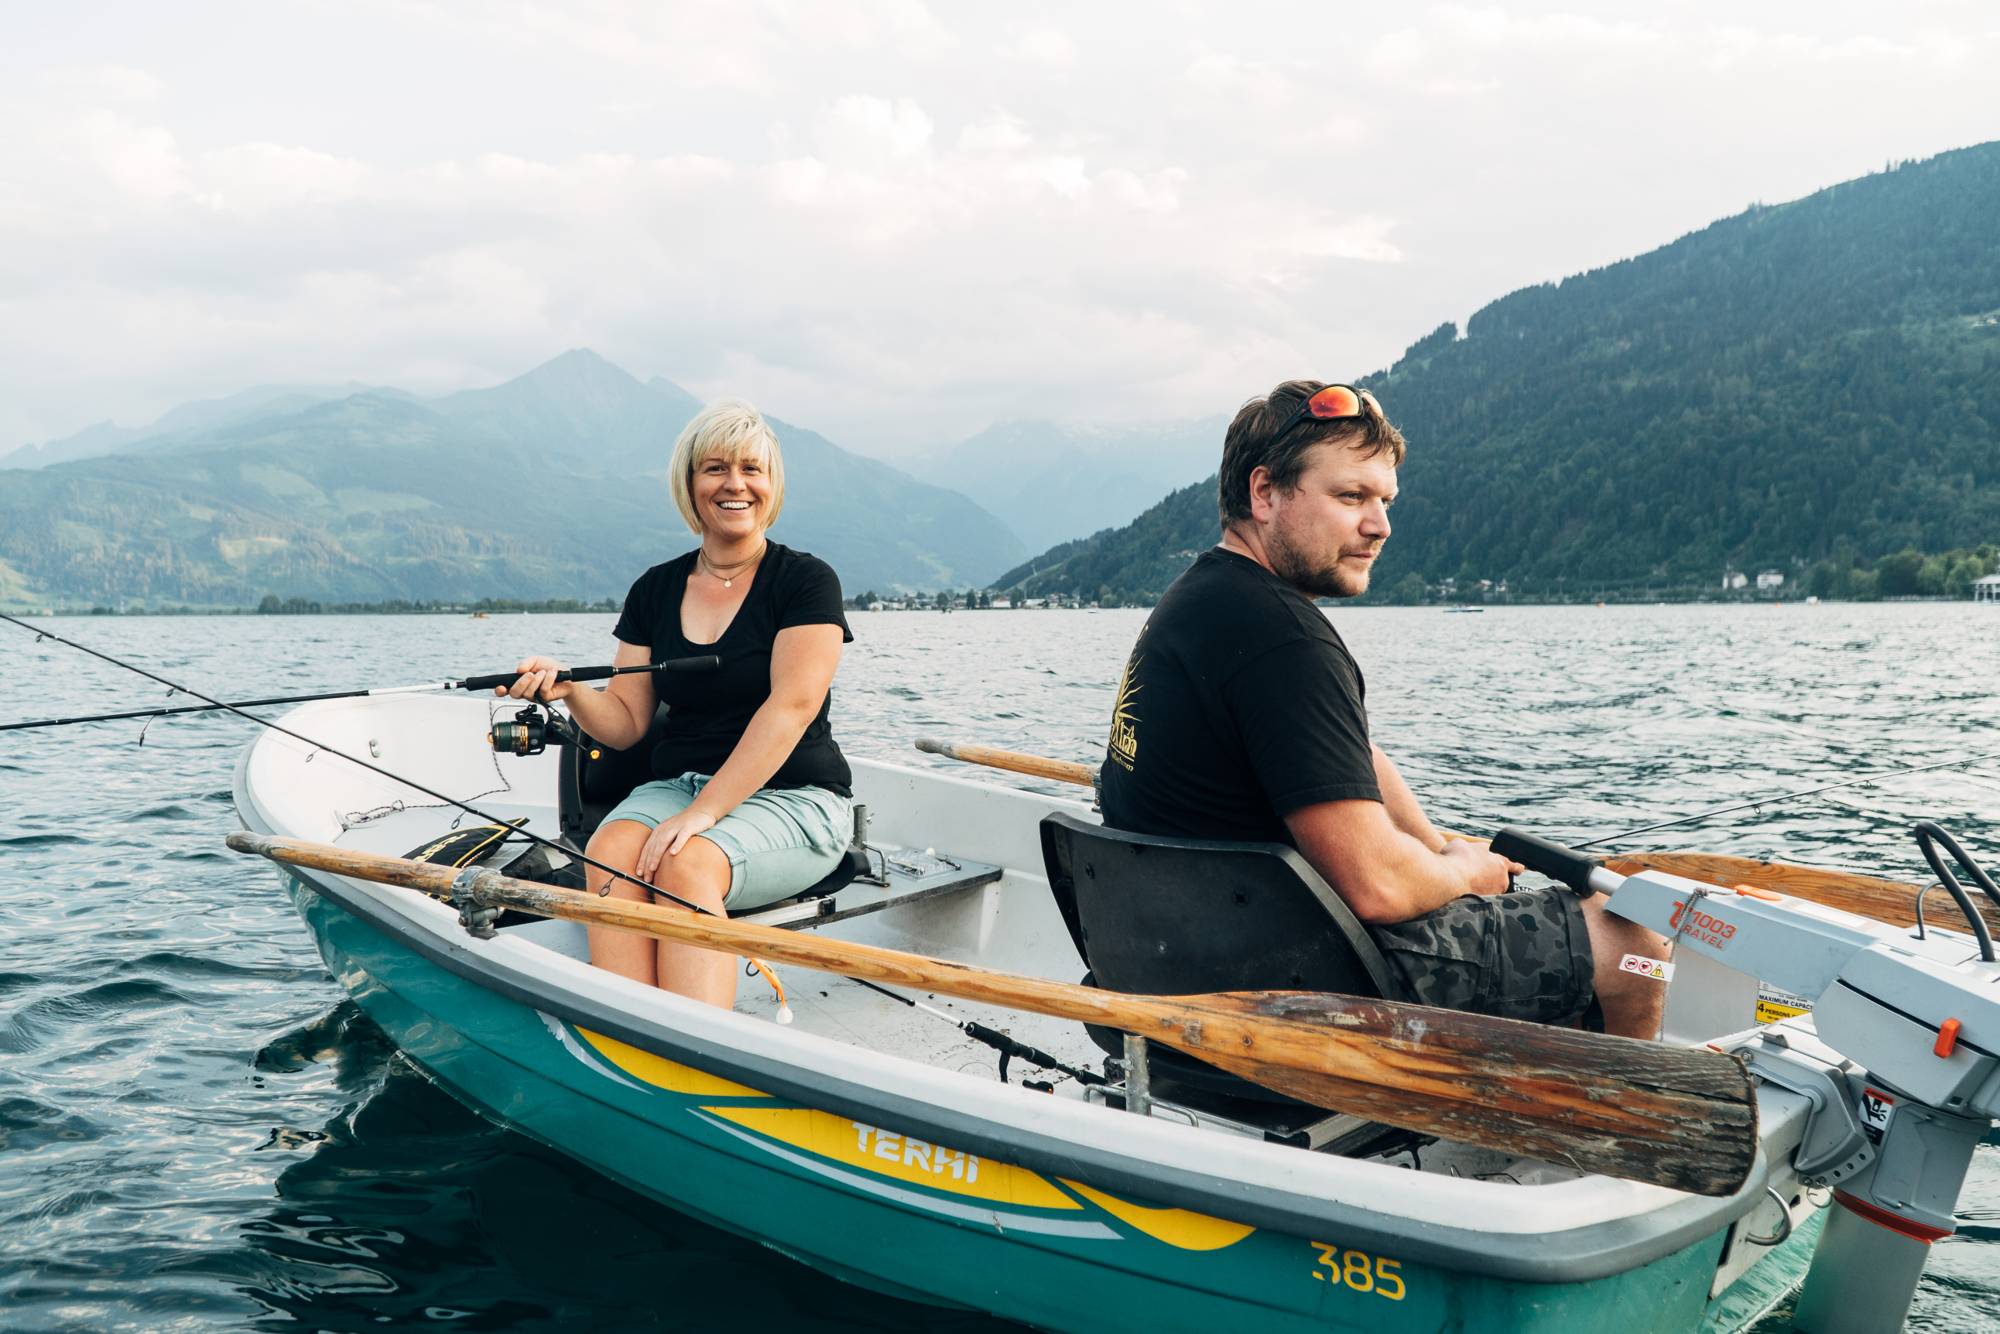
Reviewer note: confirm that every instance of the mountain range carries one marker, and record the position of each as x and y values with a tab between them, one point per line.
550	485
1051	482
1811	384
187	419
1804	385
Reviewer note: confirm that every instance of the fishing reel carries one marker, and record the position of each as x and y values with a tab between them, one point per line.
530	732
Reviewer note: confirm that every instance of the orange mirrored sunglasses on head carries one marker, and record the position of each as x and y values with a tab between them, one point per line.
1331	404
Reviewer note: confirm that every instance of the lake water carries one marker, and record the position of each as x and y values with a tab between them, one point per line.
197	1131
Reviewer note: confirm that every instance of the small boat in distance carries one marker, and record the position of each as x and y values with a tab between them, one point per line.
1465	610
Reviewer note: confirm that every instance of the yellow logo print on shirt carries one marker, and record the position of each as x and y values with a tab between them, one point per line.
1124	719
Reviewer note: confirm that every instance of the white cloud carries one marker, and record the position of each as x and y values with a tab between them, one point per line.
101	83
1364	238
1398	54
135	160
265	177
881	220
1230	77
873	130
1158	193
998	132
1046	46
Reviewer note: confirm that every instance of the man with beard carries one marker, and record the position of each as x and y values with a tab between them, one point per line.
1240	716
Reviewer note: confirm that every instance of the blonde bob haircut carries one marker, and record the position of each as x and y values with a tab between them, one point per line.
733	430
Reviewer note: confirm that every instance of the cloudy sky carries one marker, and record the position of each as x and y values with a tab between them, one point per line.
893	221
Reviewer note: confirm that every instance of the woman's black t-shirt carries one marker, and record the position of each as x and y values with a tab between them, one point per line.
711	709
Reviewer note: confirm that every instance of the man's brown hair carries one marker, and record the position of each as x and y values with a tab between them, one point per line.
1259	437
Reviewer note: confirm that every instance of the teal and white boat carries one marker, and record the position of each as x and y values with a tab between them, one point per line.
875	1142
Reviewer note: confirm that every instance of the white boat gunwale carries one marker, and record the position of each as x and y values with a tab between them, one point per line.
1605	1227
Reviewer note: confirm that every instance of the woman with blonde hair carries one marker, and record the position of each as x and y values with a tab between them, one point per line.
750	801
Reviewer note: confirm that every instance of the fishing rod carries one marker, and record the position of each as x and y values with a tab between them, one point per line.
1784	797
1005	1045
708	662
1008	1047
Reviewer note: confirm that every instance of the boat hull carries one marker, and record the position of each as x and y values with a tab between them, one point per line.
933	1222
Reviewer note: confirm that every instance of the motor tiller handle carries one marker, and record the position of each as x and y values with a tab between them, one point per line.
1547	858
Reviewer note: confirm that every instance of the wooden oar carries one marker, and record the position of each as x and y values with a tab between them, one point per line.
1890	901
1062	771
1671	1116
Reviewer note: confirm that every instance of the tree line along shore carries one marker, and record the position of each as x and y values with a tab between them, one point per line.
1907	575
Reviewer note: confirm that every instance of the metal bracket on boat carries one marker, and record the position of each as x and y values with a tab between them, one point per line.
1138	1076
1783	1233
477	918
1834	1147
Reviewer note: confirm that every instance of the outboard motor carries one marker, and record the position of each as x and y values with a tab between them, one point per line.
1898	1059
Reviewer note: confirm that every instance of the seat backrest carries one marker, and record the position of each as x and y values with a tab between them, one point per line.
594	778
1168	916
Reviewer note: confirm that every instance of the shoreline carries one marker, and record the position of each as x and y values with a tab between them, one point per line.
572	608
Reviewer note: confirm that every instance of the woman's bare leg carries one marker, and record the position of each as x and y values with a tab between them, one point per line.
699	873
626	953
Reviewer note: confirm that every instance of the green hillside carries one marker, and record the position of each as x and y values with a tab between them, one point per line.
1799	387
550	486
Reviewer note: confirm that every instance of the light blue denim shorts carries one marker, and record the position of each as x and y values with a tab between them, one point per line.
779	840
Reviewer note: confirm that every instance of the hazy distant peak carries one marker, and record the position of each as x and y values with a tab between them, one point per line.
578	370
661	385
185	420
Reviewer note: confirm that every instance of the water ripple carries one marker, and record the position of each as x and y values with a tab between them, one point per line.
200	1131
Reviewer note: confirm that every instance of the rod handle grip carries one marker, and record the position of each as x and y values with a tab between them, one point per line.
1548	858
700	662
703	662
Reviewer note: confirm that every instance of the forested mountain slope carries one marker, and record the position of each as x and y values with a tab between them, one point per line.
1816	381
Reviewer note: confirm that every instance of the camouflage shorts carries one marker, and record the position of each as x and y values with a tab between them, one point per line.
1524	955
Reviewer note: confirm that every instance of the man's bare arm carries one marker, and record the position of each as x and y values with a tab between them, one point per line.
1401	803
1385	874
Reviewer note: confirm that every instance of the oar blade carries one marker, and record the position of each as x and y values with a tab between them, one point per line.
1643	1111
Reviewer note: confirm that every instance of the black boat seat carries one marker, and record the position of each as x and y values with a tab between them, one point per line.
1182	916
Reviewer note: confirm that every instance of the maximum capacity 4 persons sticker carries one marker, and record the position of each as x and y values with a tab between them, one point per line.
1774	1003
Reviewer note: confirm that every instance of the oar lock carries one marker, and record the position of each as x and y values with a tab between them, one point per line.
477	918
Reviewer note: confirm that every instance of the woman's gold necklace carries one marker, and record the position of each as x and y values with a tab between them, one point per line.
727	574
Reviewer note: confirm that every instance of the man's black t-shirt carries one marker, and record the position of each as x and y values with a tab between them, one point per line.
711	709
1239	705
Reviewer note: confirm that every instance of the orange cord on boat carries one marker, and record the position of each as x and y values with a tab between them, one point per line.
784	1009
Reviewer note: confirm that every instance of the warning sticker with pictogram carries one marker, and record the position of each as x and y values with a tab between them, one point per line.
1876	1109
